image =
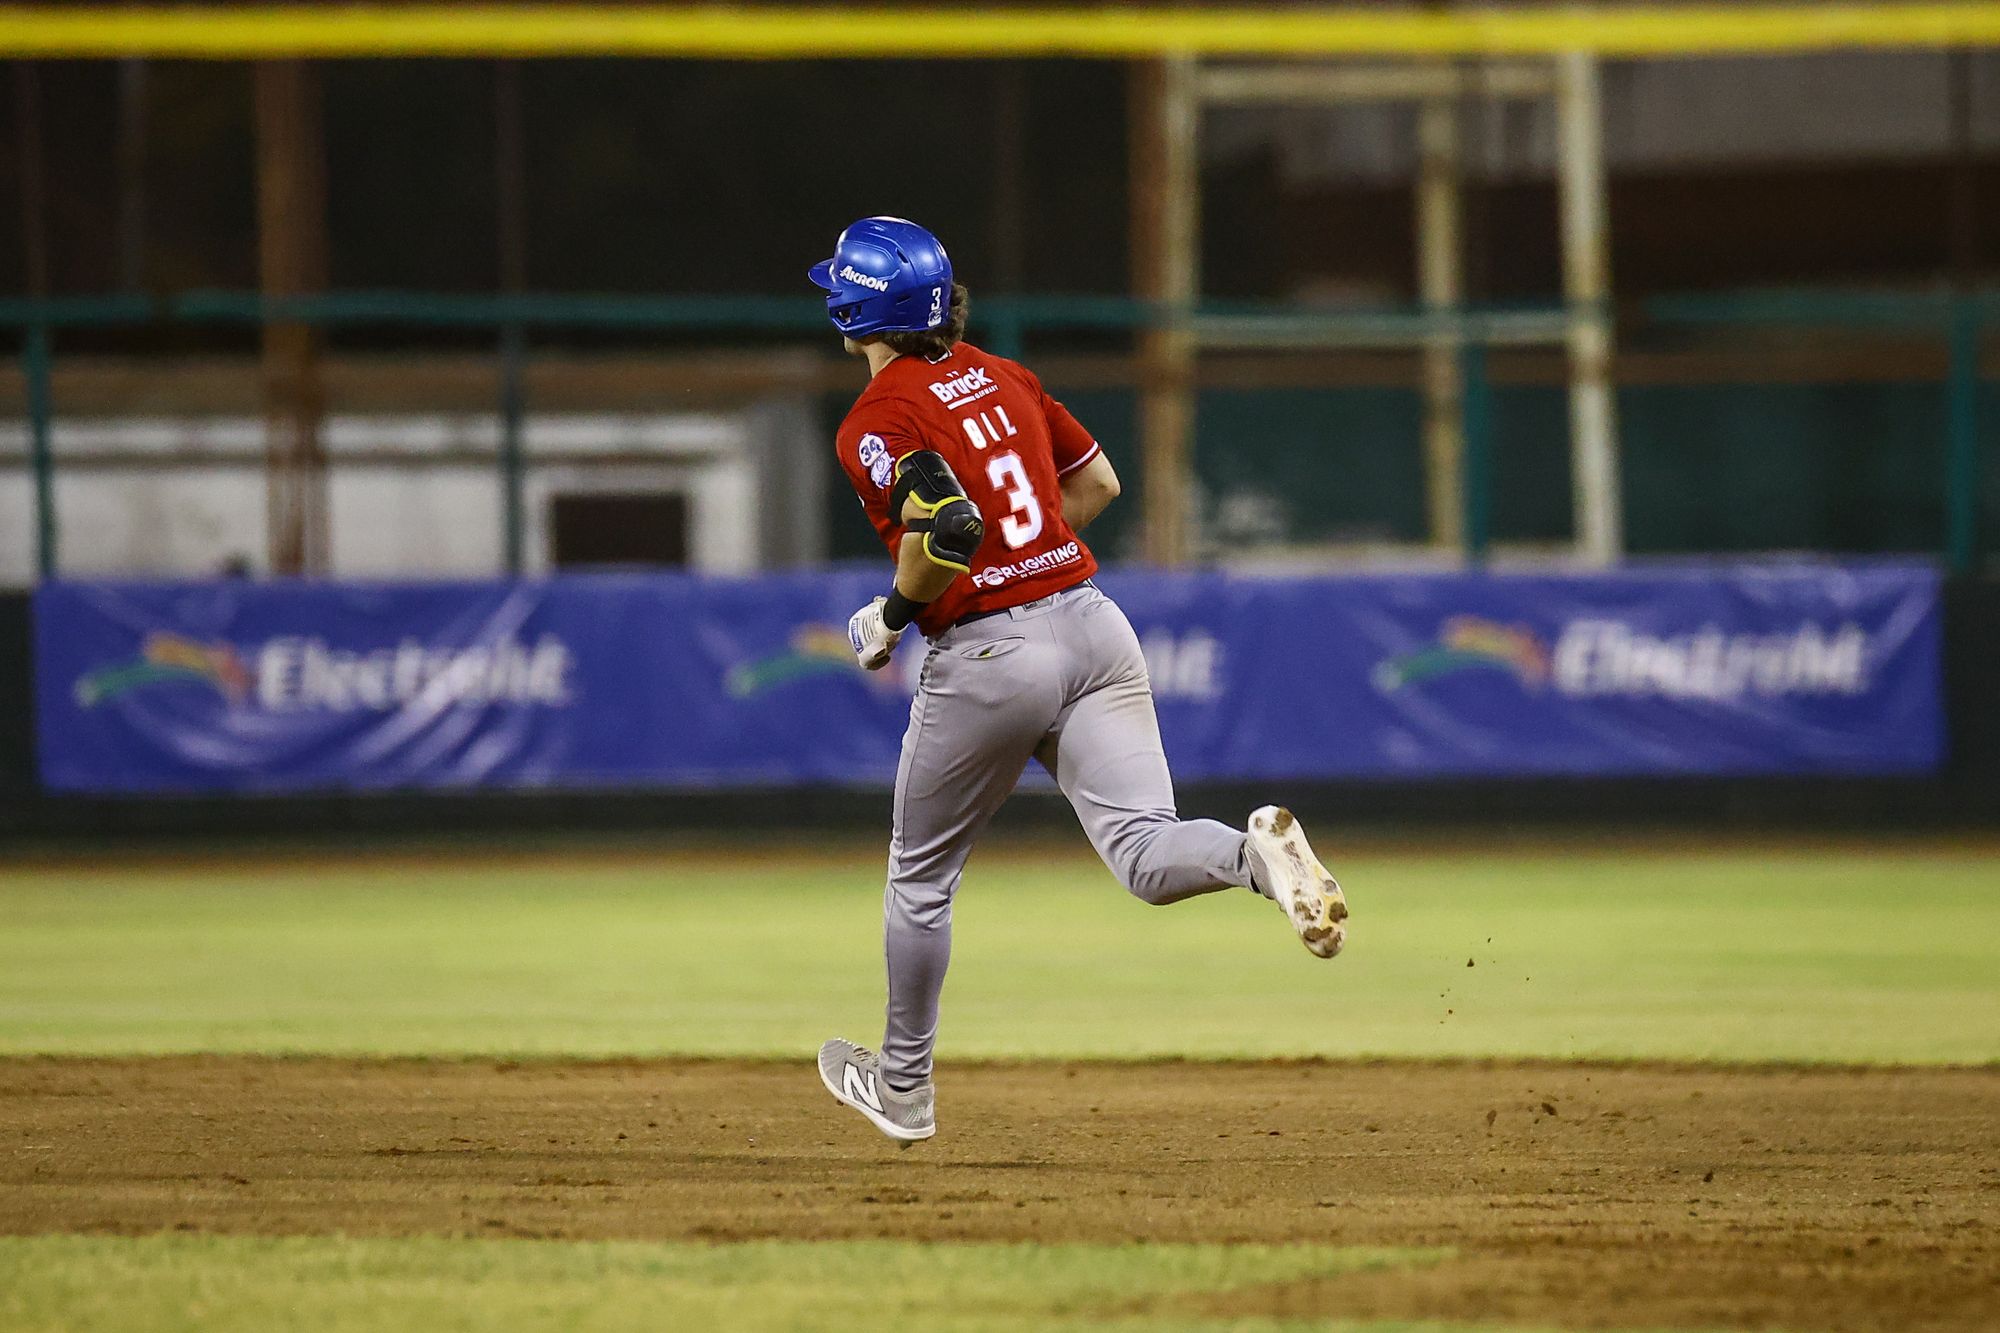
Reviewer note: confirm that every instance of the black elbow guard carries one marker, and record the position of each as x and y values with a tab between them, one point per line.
952	535
952	527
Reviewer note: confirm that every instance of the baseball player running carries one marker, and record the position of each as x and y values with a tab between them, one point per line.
978	481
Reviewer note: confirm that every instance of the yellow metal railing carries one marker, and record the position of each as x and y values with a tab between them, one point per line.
233	33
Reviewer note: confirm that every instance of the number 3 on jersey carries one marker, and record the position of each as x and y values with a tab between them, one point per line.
1024	523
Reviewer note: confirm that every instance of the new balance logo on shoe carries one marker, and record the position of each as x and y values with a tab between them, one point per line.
851	1083
849	273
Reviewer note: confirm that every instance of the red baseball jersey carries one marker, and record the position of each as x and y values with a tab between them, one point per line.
1009	444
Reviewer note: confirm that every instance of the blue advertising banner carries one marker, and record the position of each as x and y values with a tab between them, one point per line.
673	680
1703	670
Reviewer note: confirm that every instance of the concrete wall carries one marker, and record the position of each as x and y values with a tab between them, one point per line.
412	495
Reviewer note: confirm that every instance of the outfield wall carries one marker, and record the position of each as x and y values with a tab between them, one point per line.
1907	783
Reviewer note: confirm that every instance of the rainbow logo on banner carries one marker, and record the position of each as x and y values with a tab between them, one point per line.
169	657
1470	643
816	650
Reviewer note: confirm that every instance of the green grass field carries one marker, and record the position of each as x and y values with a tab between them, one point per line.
253	1285
1844	955
1852	955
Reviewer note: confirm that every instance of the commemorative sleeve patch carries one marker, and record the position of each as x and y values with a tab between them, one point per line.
877	459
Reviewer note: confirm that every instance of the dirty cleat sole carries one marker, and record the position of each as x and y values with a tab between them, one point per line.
1296	880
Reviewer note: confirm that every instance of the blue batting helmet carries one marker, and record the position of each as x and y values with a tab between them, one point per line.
887	275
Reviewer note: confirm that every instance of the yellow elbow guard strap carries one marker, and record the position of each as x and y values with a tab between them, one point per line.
951	526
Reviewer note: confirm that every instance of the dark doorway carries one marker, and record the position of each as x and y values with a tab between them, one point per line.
648	528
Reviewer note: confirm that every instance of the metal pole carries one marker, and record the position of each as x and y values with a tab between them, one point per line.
1585	206
1962	465
36	355
1166	203
511	194
513	414
1478	456
1440	274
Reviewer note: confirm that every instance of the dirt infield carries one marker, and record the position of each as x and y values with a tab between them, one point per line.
1583	1196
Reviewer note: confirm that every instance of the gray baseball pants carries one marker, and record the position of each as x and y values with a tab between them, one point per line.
1061	680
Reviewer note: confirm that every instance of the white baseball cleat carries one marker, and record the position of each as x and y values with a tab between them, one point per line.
853	1074
1285	870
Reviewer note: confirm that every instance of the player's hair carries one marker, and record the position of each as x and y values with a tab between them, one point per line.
931	344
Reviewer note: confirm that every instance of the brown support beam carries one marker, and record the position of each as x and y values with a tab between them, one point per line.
1010	192
1165	208
510	181
1441	277
132	107
291	234
1962	247
510	176
35	349
33	177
